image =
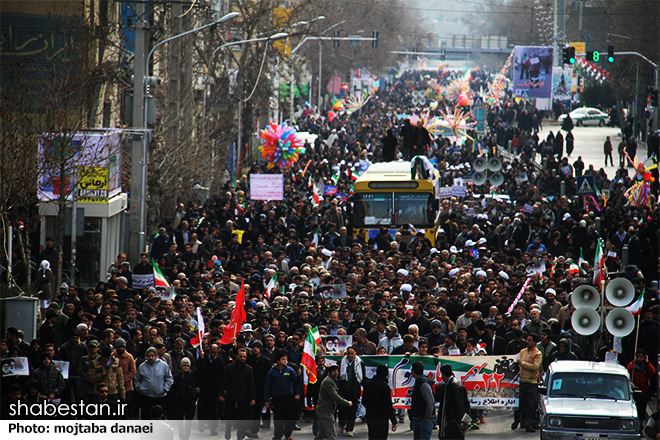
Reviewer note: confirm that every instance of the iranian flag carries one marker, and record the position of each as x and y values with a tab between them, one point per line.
573	269
317	338
197	340
636	307
315	191
580	261
237	318
272	284
159	279
309	356
354	175
599	265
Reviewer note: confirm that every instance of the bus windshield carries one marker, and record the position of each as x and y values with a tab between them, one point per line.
373	209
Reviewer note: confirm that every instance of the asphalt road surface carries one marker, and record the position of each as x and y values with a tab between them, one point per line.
589	144
497	426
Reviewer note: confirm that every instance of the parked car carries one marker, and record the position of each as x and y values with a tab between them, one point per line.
586	116
587	400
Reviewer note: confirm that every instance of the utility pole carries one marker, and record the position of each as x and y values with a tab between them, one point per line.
139	72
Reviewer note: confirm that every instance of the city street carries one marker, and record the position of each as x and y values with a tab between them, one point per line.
589	144
497	426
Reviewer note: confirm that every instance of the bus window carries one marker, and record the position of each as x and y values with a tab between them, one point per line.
372	209
413	208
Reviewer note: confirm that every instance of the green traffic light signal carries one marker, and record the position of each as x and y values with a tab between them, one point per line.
596	56
610	54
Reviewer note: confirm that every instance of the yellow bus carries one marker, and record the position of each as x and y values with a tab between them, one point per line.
386	196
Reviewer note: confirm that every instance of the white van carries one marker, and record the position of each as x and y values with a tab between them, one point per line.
583	400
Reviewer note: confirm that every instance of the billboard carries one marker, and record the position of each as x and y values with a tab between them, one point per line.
532	74
266	187
561	87
91	161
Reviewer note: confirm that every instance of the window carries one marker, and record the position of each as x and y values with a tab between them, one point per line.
597	386
413	208
373	209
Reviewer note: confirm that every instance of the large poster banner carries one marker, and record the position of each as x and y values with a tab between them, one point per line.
266	187
491	381
532	73
561	87
141	281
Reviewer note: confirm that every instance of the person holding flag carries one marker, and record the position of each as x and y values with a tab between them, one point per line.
238	315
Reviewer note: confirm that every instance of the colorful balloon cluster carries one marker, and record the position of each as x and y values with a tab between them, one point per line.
281	146
639	194
355	102
457	121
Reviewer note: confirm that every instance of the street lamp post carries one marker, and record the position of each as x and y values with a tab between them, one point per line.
277	36
145	85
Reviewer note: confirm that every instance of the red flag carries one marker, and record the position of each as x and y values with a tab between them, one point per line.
237	318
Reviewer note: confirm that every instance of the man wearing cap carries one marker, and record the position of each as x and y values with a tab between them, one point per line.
392	339
361	320
153	380
127	365
87	389
106	369
184	395
327	402
435	338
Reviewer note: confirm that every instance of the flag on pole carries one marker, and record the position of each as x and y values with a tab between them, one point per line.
272	284
599	264
237	318
197	340
309	356
553	268
159	279
636	307
580	261
355	175
317	338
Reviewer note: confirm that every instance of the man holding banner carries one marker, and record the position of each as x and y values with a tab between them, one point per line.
452	397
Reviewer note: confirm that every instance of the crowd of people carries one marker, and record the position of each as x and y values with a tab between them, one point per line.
404	294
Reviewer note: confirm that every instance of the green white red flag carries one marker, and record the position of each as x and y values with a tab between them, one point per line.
599	265
309	356
159	279
636	307
197	340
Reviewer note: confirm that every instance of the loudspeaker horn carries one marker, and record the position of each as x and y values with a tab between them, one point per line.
585	321
415	93
479	178
496	179
585	296
415	100
620	292
620	322
480	164
494	165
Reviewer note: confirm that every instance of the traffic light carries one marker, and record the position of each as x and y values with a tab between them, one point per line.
654	98
571	55
335	43
566	55
610	54
593	56
374	42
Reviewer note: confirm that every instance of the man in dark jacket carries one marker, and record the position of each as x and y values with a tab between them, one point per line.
377	400
420	140
389	146
50	379
450	395
238	394
260	367
422	404
73	351
184	395
210	369
326	406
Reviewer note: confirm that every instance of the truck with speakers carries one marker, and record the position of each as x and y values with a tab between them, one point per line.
582	400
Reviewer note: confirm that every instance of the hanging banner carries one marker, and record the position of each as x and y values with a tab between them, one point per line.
491	381
532	74
266	187
561	87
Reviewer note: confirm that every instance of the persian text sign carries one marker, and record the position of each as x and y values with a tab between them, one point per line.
491	381
93	186
266	187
